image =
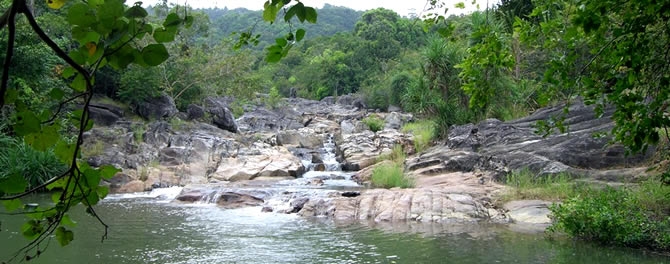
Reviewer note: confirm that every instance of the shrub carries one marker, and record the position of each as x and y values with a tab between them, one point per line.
612	216
274	99
423	132
389	176
374	123
37	167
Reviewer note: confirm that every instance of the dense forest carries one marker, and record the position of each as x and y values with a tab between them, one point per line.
503	62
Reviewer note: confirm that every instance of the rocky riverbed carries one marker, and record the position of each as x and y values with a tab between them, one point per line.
301	157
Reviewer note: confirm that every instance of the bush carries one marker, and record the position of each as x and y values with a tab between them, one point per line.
614	217
389	176
374	123
37	167
423	132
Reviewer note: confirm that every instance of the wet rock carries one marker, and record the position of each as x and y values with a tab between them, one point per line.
319	167
351	194
132	186
267	209
190	196
231	200
297	204
529	211
315	182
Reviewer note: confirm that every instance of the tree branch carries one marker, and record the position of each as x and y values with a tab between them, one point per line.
11	18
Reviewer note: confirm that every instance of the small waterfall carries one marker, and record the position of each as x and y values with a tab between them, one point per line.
329	156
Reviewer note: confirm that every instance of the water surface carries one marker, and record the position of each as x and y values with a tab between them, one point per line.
152	230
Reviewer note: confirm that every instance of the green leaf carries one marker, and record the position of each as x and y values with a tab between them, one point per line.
44	139
299	34
26	123
64	236
67	221
31	229
310	15
136	11
81	14
155	54
14	183
102	191
270	12
10	96
162	35
290	13
281	42
108	171
92	178
172	21
12	205
64	151
56	94
109	12
79	83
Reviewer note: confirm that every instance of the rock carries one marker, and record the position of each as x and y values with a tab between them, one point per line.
267	209
395	120
351	194
105	114
423	205
195	112
277	162
222	117
301	138
319	167
297	204
264	120
393	108
190	196
119	180
529	211
159	107
364	175
231	200
515	144
362	149
133	186
315	182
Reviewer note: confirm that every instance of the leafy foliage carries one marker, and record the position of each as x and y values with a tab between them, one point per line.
612	216
104	33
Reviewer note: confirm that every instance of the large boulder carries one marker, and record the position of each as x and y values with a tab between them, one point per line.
195	112
105	114
265	161
159	107
497	146
423	205
222	117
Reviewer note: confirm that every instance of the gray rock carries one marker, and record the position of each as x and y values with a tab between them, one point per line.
222	117
529	211
195	112
105	114
159	107
231	200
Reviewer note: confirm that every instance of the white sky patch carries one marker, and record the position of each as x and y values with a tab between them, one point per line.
401	7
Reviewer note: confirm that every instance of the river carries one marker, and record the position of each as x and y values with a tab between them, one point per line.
149	229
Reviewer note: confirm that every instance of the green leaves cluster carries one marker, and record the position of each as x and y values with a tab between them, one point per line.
107	33
284	44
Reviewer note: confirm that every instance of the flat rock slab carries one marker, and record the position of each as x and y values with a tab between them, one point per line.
529	211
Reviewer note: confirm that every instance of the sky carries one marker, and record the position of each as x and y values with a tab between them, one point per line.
402	7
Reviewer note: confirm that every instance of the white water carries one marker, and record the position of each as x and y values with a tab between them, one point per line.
160	194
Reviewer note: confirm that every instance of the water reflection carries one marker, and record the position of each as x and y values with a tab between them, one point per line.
144	231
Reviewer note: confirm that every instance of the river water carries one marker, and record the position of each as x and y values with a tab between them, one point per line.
147	228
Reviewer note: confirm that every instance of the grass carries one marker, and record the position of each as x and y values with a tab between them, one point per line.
92	150
374	123
19	159
423	131
397	155
177	123
138	132
389	176
525	185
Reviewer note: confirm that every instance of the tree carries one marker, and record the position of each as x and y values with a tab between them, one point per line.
104	33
